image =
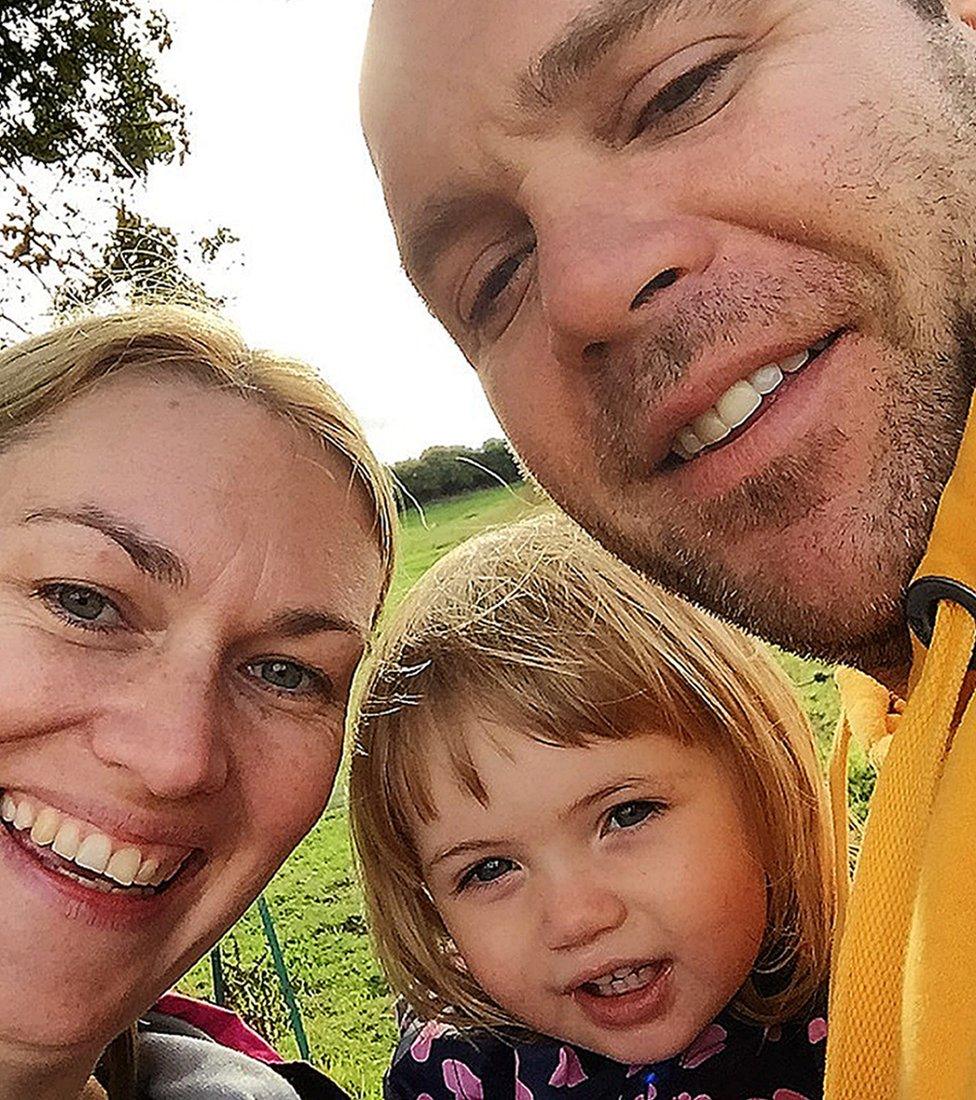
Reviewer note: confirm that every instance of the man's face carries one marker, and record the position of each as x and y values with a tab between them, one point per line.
638	218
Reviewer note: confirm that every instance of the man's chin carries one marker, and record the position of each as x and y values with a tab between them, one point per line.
792	594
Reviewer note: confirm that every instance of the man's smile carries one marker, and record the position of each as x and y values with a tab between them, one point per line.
741	405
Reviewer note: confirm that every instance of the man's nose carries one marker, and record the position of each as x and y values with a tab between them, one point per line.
166	730
605	274
576	913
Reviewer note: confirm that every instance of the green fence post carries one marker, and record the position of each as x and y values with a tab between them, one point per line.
217	973
286	987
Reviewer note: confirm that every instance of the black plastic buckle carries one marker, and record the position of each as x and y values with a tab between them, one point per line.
922	601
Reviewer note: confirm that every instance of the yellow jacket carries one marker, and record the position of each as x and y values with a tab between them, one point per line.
903	997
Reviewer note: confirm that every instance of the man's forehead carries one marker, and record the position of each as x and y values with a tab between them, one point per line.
437	75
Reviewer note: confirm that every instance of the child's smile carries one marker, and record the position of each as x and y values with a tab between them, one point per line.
608	894
627	996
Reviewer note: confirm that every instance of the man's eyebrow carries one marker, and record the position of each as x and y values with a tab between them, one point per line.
591	37
149	557
299	622
433	229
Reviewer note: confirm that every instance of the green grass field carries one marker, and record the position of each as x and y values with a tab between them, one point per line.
314	899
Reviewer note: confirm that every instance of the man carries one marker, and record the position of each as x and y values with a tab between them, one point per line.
713	261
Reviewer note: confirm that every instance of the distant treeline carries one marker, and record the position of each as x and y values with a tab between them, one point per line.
448	471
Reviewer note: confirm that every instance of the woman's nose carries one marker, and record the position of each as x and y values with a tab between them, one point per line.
167	732
575	913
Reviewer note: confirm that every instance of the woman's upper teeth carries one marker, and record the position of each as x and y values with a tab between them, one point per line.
81	843
737	405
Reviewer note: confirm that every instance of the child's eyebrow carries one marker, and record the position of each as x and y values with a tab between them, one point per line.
601	793
468	847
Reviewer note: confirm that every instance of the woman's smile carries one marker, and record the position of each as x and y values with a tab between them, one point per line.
97	859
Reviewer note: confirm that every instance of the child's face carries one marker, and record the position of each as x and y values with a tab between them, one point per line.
628	858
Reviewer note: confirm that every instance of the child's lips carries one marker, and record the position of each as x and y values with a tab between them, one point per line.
632	1007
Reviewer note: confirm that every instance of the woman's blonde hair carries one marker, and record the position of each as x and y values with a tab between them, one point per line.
536	627
39	375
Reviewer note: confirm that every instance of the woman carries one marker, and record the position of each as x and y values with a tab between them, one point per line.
194	543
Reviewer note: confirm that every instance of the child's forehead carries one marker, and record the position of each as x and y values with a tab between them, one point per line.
488	761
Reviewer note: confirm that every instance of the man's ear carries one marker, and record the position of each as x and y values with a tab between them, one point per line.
963	10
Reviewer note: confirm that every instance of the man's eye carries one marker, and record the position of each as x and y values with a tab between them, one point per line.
80	606
288	677
488	870
628	815
495	284
682	92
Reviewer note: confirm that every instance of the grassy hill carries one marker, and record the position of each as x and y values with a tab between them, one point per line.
314	900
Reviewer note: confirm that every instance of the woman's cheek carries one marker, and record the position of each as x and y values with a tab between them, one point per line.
286	784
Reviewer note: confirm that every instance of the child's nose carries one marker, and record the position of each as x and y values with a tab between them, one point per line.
576	914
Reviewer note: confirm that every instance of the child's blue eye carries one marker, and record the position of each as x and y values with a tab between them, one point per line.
630	814
488	870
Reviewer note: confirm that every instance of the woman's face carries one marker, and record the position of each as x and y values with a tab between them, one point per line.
186	583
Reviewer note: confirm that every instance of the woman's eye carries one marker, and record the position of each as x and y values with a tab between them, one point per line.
630	814
289	677
681	92
495	285
488	870
81	606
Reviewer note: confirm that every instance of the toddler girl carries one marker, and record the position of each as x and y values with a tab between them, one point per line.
592	836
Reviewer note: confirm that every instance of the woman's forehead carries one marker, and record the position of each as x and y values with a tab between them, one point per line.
231	489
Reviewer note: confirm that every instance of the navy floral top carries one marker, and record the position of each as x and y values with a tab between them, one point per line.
730	1060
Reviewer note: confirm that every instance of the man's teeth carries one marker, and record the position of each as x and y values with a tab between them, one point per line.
737	405
625	980
80	843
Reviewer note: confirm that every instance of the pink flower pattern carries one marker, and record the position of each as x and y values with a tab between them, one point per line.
568	1072
461	1081
709	1043
728	1058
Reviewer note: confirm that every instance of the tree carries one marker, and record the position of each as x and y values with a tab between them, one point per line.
449	471
83	119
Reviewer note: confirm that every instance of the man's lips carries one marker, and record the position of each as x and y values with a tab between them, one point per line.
707	385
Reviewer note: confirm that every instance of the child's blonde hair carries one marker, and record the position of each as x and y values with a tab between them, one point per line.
536	627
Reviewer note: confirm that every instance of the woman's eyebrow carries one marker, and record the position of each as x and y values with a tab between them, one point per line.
148	556
301	621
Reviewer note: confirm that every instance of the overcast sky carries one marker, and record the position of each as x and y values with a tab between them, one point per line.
276	154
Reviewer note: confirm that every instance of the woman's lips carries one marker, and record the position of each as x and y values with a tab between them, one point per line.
96	900
632	1008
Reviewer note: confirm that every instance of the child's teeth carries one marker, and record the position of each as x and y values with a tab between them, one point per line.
8	808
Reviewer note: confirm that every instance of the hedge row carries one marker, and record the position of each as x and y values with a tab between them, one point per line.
448	471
